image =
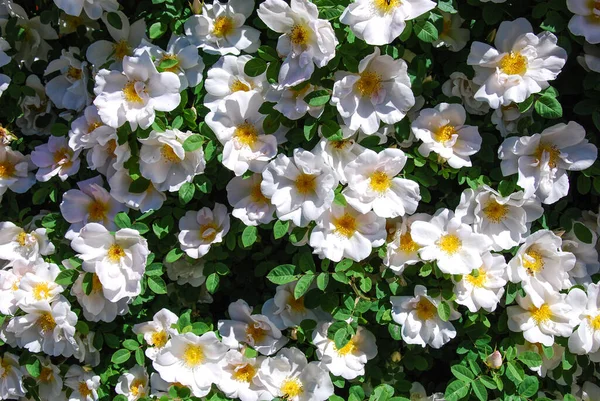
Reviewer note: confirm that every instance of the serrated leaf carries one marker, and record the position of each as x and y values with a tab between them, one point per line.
121	356
192	143
331	130
526	104
456	390
514	372
529	387
66	277
548	107
140	357
322	281
343	265
531	359
582	233
317	98
173	255
186	192
122	220
131	345
488	382
249	236
157	285
462	373
87	284
443	310
479	390
282	274
212	282
157	30
34	368
303	285
426	31
114	20
280	228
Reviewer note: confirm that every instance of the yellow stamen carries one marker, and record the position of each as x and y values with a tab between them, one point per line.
553	154
340	145
159	339
169	154
291	388
244	373
74	73
407	245
386	6
425	309
513	64
223	27
345	225
212	229
115	253
7	169
495	211
299	35
595	322
449	244
541	314
175	67
297	305
305	183
445	133
239	86
96	284
46	375
380	182
349	348
84	390
22	238
535	265
97	210
256	332
111	146
130	93
41	291
478	281
193	355
46	322
256	194
368	84
92	127
246	134
62	156
6	367
137	388
121	49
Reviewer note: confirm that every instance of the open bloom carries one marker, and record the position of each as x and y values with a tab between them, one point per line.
240	377
95	306
157	331
11	377
38	114
443	131
420	321
133	384
290	101
380	91
200	229
348	361
542	160
150	199
452	35
285	311
306	40
9	285
521	64
401	250
136	93
186	271
69	89
462	87
586	339
93	8
454	245
55	158
18	244
83	382
587	262
373	184
15	171
249	203
49	381
379	22
483	288
4	59
584	22
337	154
38	285
86	129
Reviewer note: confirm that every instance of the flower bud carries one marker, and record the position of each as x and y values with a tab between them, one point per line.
196	6
494	360
396	356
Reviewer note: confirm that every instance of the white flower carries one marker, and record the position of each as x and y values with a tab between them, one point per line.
402	251
541	320
483	289
87	353
590	391
186	271
55	158
37	115
192	361
95	306
9	285
84	384
106	155
238	125
373	184
542	160
181	57
343	232
590	60
460	86
157	332
548	364
451	243
136	93
15	171
452	35
200	229
68	90
420	321
133	384
165	162
348	361
418	393
38	285
337	154
127	38
149	199
583	23
220	29
380	91
587	262
227	76
47	328
255	330
521	64
506	118
159	387
49	381
93	8
300	188
506	220
306	40
586	339
11	377
443	131
290	101
17	244
118	259
379	22
90	203
86	130
33	45
285	311
249	203
290	376
4	59
240	377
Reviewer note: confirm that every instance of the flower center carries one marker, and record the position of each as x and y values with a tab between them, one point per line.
7	169
385	6
368	84
513	64
22	238
6	368
479	280
193	355
72	22
41	291
246	134
74	73
169	154
62	157
345	225
130	93
349	348
449	243
223	27
244	373
115	253
111	146
297	305
208	232
121	49
541	314
159	338
407	245
533	261
425	309
239	86
291	388
445	133
552	152
92	127
305	183
97	210
255	332
380	182
46	322
137	387
84	390
495	211
173	68
96	284
299	35
46	375
340	145
256	195
595	322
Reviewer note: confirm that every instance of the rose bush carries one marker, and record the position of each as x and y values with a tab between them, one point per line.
301	200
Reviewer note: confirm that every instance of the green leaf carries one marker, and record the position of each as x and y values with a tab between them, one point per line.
192	143
479	390
340	199
332	130
456	390
343	265
173	255
121	356
140	357
530	359
186	193
582	233
122	220
87	283
66	277
322	281
212	282
526	104
488	382
157	30
426	31
167	63
157	285
114	20
529	387
282	274
303	285
443	310
548	107
34	368
462	373
249	236
280	228
138	186
255	67
341	337
395	331
267	53
131	345
317	98
514	372
59	129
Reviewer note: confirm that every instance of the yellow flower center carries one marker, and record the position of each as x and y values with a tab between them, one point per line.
386	6
305	183
121	49
96	284
447	25
297	305
345	225
246	134
553	154
223	27
239	86
193	355
478	281
299	35
449	244
536	264
115	253
256	332
368	84
159	338
407	245
340	145
72	22
175	67
97	210
22	238
92	127
380	182
41	291
111	146
425	309
137	388
291	388
445	133
46	375
256	194
46	322
513	64
595	322
84	390
169	154
62	156
541	314
208	232
74	73
349	348
244	373
7	169
130	93
495	211
6	367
